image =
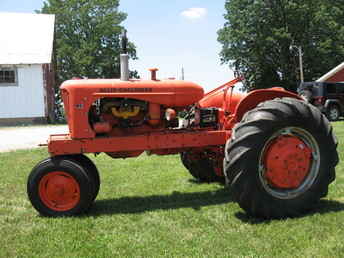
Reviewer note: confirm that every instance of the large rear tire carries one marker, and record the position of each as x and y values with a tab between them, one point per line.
59	186
200	167
281	158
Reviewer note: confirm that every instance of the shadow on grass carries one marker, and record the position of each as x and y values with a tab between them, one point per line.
176	200
323	207
199	182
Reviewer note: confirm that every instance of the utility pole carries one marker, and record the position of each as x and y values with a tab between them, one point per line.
183	77
300	63
299	48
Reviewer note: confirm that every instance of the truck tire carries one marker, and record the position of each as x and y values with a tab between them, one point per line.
91	171
333	113
59	186
200	168
280	159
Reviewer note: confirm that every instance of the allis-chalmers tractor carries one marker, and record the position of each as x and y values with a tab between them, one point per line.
276	152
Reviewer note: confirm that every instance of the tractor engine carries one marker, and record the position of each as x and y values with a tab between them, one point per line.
116	115
197	117
120	113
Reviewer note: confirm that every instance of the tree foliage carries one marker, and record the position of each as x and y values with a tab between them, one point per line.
258	36
87	38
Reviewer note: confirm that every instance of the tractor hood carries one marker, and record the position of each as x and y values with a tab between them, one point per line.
171	93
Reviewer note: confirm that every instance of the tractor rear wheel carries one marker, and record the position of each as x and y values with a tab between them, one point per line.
281	158
60	186
200	167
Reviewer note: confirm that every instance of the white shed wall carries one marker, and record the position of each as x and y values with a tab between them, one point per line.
25	100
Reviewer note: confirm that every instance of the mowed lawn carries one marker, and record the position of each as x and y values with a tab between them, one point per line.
150	207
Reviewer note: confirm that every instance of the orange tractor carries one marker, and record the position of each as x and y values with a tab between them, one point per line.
276	152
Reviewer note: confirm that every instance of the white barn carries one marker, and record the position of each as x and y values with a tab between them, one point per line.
26	74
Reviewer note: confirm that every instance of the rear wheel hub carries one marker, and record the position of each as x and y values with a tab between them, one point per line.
289	163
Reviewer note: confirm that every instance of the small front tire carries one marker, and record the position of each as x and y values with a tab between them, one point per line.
59	186
91	171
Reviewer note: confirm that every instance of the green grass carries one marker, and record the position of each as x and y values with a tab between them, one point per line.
149	207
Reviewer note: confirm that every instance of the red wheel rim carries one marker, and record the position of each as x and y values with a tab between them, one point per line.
287	160
59	191
289	163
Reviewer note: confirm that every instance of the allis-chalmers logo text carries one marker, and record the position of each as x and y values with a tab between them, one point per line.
125	90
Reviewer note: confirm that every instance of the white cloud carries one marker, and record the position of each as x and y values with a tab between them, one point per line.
194	13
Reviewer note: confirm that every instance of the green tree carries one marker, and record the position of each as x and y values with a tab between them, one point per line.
87	40
258	36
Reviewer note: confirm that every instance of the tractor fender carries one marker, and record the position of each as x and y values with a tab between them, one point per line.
257	96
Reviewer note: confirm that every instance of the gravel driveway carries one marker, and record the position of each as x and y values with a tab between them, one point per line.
14	138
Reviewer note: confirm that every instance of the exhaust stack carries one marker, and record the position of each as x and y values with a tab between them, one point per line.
124	67
124	57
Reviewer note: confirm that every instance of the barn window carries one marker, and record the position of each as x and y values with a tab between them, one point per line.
8	77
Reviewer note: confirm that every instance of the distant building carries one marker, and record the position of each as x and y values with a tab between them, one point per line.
335	75
26	74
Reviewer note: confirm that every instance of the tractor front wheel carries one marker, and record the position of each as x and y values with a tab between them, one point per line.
91	170
281	158
60	186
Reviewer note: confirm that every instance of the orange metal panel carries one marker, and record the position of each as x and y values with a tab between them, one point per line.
165	92
64	144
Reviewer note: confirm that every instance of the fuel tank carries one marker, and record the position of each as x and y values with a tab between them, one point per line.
217	98
170	93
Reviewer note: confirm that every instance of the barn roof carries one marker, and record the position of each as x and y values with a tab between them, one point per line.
335	75
26	38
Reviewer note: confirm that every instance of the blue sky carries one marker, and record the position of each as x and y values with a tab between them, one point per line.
169	35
